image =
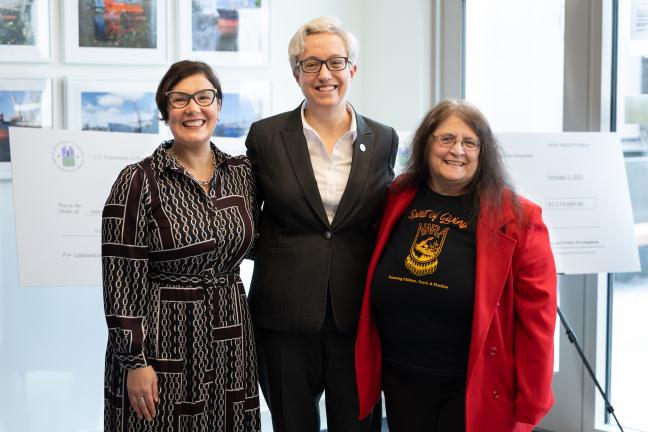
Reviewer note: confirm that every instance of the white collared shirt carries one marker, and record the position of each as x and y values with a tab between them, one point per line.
331	171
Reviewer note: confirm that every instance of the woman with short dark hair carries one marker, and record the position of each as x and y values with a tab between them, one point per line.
176	227
459	308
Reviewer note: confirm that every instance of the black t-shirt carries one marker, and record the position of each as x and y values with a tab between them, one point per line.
423	286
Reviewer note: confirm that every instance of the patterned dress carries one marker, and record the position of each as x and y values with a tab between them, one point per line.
173	296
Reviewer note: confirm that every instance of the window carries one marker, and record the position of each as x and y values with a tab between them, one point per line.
514	63
629	291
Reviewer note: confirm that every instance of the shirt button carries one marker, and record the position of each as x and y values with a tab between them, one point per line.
328	235
492	351
496	394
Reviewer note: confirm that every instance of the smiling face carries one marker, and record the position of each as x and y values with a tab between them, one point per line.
193	125
325	89
452	168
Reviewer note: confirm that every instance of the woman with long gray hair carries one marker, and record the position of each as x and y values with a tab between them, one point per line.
459	308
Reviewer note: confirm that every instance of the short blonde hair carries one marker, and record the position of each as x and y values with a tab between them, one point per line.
321	25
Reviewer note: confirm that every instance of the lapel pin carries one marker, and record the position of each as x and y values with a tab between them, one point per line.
362	147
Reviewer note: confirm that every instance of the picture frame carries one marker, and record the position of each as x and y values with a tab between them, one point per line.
404	151
244	102
25	35
113	106
225	33
119	32
23	103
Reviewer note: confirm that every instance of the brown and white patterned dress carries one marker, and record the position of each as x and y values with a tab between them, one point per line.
173	296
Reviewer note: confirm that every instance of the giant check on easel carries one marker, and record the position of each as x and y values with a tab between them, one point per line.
61	179
579	179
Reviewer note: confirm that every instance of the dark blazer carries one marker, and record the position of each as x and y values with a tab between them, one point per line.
300	254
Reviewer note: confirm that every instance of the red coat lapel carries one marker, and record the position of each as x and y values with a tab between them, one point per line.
368	354
494	256
394	208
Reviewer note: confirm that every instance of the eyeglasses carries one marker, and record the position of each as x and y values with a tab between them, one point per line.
181	99
313	65
449	140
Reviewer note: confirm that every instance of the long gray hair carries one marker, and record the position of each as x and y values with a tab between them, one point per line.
491	182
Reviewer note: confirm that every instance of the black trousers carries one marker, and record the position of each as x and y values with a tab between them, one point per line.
416	402
295	369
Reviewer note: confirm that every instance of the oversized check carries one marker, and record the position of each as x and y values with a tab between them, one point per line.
580	181
61	179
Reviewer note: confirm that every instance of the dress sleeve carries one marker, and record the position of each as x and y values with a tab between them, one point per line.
252	152
124	250
255	209
535	320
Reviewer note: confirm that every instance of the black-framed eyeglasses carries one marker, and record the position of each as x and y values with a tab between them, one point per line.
449	140
203	98
313	64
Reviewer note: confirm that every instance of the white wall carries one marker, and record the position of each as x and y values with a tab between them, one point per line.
393	84
396	62
52	339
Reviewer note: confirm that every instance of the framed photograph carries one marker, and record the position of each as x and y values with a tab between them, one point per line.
113	106
23	103
404	151
225	32
243	103
115	31
25	30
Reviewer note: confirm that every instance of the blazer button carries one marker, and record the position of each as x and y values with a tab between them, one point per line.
492	351
496	394
328	235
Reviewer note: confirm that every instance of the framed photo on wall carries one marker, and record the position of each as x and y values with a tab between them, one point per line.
243	103
113	106
25	30
115	31
23	103
225	32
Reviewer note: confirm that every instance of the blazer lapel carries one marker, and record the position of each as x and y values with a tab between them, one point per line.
494	256
297	150
363	154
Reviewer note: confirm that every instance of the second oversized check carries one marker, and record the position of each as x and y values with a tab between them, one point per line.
579	180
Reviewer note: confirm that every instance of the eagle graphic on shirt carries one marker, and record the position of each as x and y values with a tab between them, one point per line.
427	245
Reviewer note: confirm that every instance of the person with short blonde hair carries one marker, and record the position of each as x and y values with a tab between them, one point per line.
322	171
329	25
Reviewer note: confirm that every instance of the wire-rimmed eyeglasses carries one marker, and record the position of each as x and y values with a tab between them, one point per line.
314	65
203	98
449	140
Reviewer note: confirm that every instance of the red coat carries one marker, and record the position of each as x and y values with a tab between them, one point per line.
510	361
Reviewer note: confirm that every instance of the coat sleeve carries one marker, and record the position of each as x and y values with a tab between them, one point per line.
125	268
535	319
393	154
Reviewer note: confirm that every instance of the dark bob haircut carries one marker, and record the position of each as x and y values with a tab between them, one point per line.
490	183
176	73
